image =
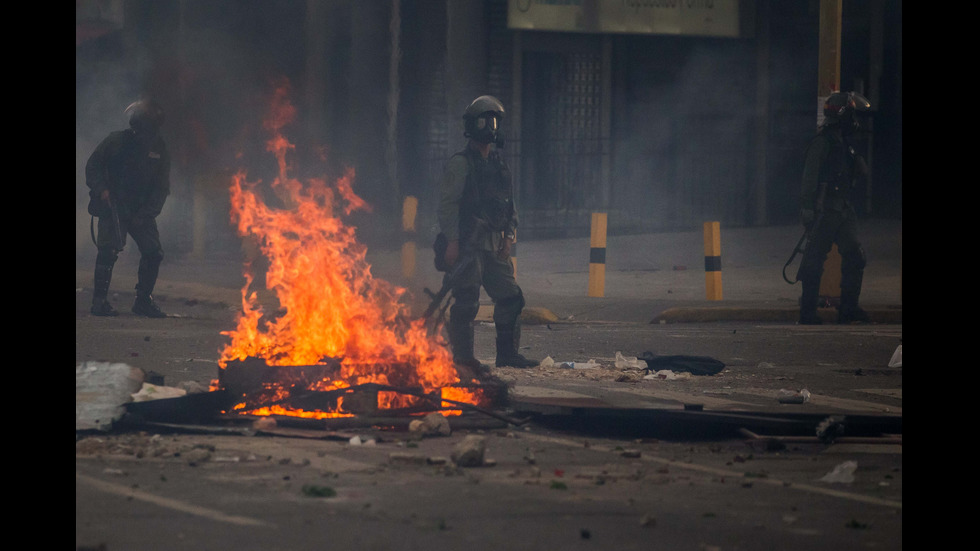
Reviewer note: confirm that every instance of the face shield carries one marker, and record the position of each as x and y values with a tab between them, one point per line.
487	123
482	120
484	128
858	112
145	116
848	110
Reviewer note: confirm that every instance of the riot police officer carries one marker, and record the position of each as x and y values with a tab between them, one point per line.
478	218
128	176
830	172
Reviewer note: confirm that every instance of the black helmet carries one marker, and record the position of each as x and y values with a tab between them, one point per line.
145	115
843	107
481	120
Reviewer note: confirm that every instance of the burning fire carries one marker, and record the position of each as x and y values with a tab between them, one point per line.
331	308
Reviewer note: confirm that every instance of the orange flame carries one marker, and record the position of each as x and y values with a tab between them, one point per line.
330	305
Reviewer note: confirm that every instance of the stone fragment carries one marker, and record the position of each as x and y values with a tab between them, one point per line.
469	451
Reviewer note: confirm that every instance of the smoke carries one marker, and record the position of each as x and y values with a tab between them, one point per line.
212	74
684	132
102	92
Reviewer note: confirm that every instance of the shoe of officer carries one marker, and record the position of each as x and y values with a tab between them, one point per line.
810	318
853	315
471	368
146	307
101	307
511	358
517	361
508	339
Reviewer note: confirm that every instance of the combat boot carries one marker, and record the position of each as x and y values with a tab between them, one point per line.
100	301
101	307
852	314
508	342
850	292
146	307
808	303
461	342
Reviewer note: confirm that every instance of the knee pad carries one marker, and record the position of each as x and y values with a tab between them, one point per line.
466	304
507	312
106	257
515	302
153	257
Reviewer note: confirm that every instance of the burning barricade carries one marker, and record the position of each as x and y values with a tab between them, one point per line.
340	341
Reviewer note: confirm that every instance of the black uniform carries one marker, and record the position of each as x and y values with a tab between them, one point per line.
831	170
134	166
477	210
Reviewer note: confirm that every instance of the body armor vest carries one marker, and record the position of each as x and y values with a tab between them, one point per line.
837	169
487	194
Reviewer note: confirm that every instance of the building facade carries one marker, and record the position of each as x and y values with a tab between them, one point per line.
662	113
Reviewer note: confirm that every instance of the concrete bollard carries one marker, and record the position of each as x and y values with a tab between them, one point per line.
712	260
597	256
409	210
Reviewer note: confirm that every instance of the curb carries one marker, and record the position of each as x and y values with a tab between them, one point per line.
785	315
531	315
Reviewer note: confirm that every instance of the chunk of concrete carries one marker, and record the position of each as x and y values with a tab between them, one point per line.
433	424
101	391
469	452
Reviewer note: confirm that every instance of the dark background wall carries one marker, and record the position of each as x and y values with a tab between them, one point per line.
663	132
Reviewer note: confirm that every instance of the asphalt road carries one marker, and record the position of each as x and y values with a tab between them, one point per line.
566	478
552	485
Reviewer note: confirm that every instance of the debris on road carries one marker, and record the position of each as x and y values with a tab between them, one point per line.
469	452
695	365
786	396
666	375
433	424
896	360
156	392
632	362
101	390
842	473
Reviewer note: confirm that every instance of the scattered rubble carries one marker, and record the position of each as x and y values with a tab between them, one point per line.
101	389
156	392
470	451
433	424
842	473
896	359
786	396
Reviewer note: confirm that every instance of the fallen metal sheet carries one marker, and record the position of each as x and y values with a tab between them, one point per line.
689	420
745	400
196	407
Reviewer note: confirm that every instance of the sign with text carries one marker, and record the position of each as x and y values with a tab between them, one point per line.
679	17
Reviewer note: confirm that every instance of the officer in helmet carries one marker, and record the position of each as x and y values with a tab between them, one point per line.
831	170
128	176
479	221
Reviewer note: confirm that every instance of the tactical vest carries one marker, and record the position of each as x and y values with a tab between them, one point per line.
487	194
133	171
837	169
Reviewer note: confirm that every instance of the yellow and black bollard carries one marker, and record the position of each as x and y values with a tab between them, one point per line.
409	210
712	260
830	281
597	255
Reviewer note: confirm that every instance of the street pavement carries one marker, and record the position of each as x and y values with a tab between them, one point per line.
649	277
604	457
652	282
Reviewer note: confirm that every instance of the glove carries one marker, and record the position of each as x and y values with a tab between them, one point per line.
505	246
452	252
